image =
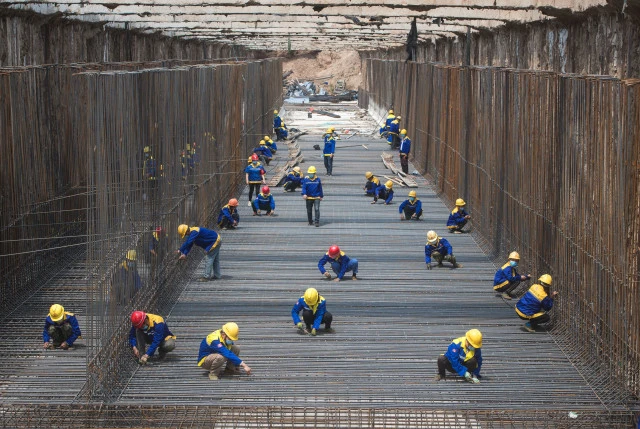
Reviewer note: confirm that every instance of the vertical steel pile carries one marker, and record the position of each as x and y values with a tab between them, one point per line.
549	166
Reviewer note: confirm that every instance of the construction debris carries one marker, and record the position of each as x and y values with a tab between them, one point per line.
402	179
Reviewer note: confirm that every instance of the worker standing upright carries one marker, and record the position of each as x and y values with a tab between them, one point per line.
535	303
228	218
210	241
328	152
507	278
126	282
385	192
293	180
458	217
405	148
340	264
218	350
312	194
264	201
61	329
254	177
410	208
371	185
393	135
314	313
440	249
463	357
147	328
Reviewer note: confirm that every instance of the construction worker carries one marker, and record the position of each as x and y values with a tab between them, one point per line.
293	180
314	313
385	128
371	185
61	329
410	208
464	357
393	134
340	264
405	148
534	304
150	171
279	127
210	241
263	152
127	282
507	278
218	350
264	201
254	176
458	217
328	152
273	147
385	192
147	328
440	249
157	249
312	194
228	217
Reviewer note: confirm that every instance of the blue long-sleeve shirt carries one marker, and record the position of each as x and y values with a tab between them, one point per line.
212	343
405	146
294	177
457	217
457	354
312	188
442	246
416	205
225	212
273	147
343	260
203	237
156	333
506	274
387	122
318	312
69	319
277	122
255	172
264	150
329	146
394	127
534	301
388	193
263	200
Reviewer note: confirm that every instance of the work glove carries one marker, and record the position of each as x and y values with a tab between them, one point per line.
300	325
475	380
313	332
143	359
467	376
327	275
428	266
64	346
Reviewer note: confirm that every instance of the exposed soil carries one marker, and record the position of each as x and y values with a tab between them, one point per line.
326	66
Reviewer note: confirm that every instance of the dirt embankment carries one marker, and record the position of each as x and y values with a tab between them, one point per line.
326	66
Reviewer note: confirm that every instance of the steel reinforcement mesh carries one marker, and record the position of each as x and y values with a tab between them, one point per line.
548	165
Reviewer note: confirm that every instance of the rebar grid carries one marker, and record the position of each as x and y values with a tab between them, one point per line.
548	166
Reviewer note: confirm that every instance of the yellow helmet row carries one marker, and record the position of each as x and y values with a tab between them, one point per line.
311	296
311	170
368	175
460	202
545	279
403	132
432	237
514	255
275	112
182	230
413	194
296	169
262	143
231	330
56	312
132	255
474	337
389	184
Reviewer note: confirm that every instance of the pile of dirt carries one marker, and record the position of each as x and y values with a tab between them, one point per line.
326	66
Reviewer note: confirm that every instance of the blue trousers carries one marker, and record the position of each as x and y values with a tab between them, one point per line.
351	266
212	263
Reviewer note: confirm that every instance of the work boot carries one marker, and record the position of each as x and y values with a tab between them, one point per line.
505	295
439	377
457	231
203	279
317	223
310	223
440	264
528	327
330	330
213	377
354	277
457	265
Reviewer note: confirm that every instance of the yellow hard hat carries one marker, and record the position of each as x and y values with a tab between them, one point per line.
132	255
460	202
188	146
296	169
514	255
368	175
389	184
391	111
474	337
403	132
329	131
147	149
267	138
332	129
232	330
398	117
311	170
182	230
311	296
413	194
432	237
545	279
56	312
275	112
262	142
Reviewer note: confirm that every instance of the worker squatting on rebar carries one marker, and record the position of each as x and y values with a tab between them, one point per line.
411	208
403	151
279	127
340	264
263	152
61	329
147	328
458	217
254	176
535	303
210	241
385	128
371	185
218	351
126	281
507	279
293	180
264	201
329	150
273	147
440	249
464	357
385	192
314	313
312	194
228	218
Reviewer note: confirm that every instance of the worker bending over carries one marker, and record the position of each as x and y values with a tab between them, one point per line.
314	313
507	278
273	147
410	208
340	264
372	184
228	217
218	351
385	192
463	357
210	241
535	303
440	249
293	180
61	329
263	152
147	328
458	217
264	201
385	128
312	194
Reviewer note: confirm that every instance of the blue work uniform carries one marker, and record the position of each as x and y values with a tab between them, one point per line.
504	276
340	266
410	208
264	202
328	151
228	215
155	334
318	310
203	237
534	303
264	151
387	122
393	131
69	319
456	218
293	180
442	246
212	343
383	192
405	147
273	147
457	354
371	185
312	188
255	172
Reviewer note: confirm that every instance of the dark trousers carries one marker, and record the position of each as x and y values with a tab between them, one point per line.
226	223
252	187
508	288
459	226
408	212
444	364
370	188
61	333
383	194
395	141
328	164
311	204
265	206
404	163
309	317
142	341
535	321
291	186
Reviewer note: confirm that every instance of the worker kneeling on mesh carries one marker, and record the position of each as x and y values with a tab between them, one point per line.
385	192
534	304
264	201
147	328
293	180
340	264
458	217
372	184
507	278
314	313
228	217
61	329
218	351
410	208
440	250
463	357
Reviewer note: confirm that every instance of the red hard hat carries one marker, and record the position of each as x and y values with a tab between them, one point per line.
334	251
254	157
137	318
158	229
265	190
